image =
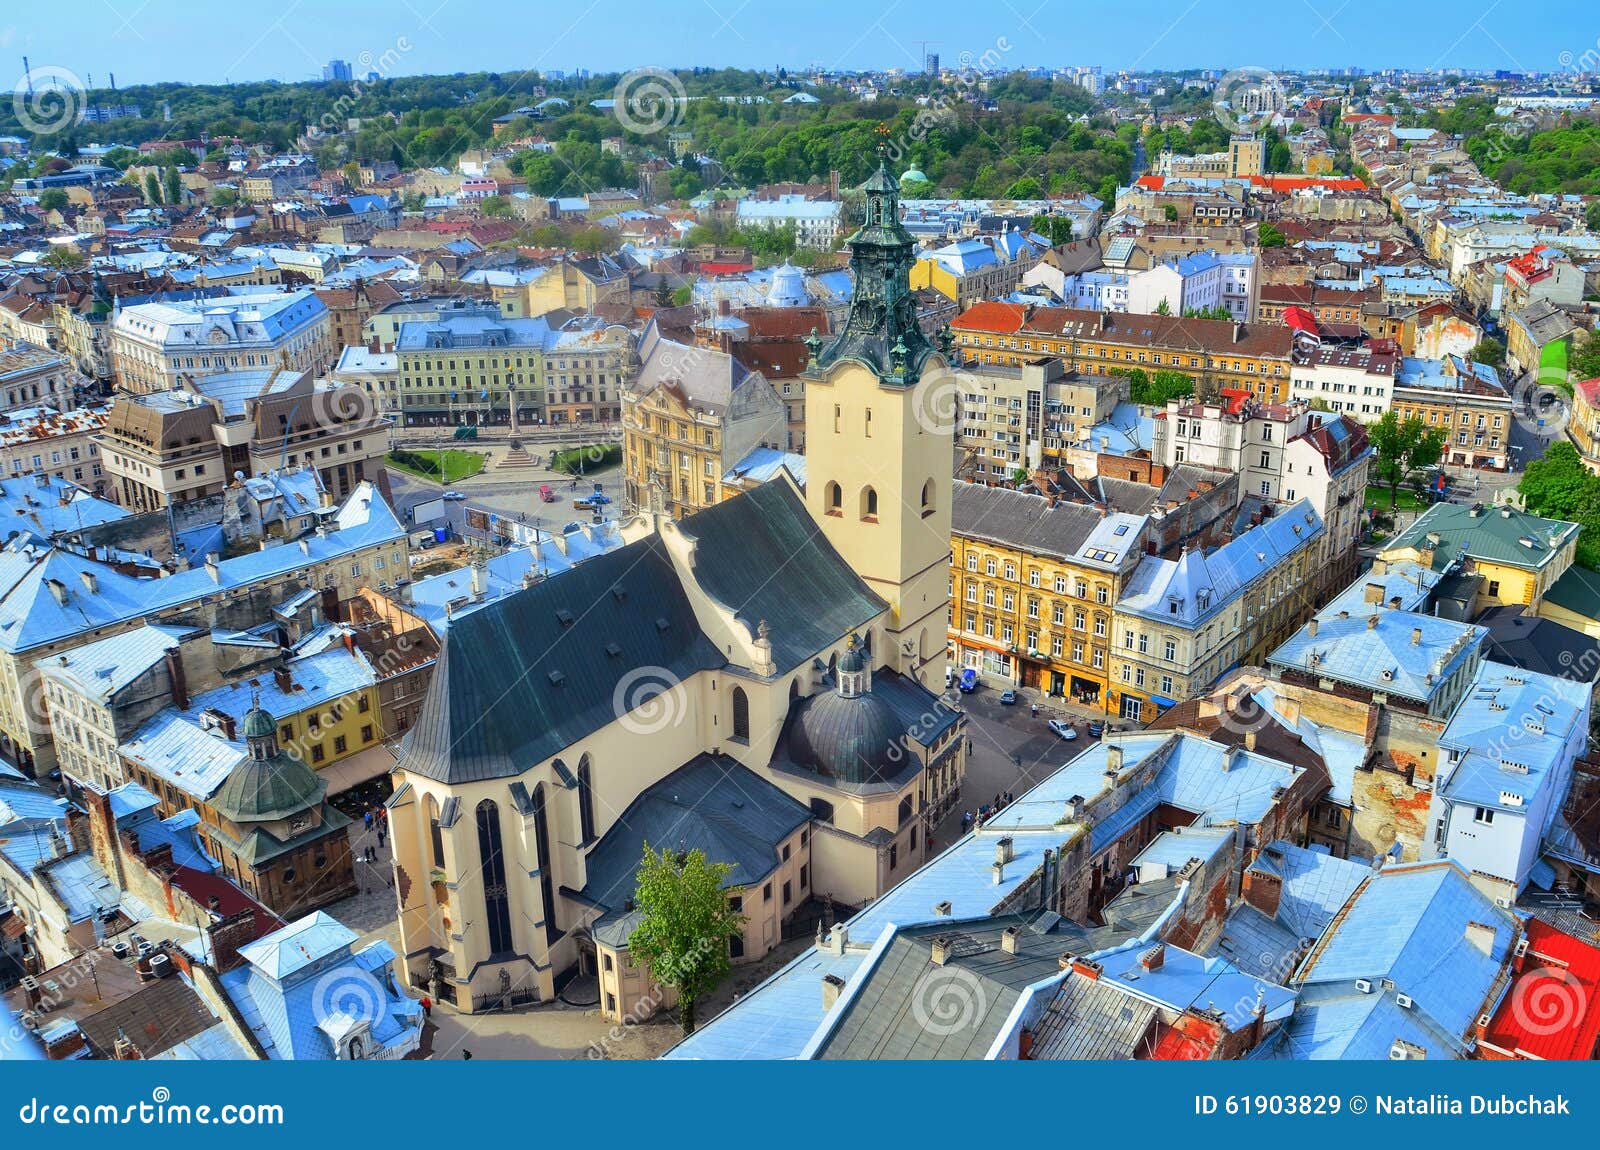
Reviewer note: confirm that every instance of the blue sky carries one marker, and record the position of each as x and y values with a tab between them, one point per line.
147	40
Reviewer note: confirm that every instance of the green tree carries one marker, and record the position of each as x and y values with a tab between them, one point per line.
495	207
1170	211
1559	486
224	197
663	293
685	923
1591	216
682	294
1163	308
1490	351
1403	447
172	186
1584	360
1270	237
152	189
53	200
1056	229
63	257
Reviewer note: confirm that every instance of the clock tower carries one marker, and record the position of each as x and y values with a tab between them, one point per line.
881	409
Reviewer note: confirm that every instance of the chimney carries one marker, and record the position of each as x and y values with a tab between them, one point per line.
91	582
832	987
214	566
1238	333
1372	622
1481	937
1113	759
1416	636
1155	957
1004	850
1311	629
125	1049
940	950
1250	739
942	909
283	678
1374	593
999	871
1075	809
839	939
178	683
1008	939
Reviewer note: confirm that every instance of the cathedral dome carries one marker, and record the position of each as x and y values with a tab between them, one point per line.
854	739
258	724
849	733
913	175
788	287
260	790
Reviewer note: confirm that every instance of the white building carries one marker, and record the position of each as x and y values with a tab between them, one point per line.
154	345
1357	382
815	222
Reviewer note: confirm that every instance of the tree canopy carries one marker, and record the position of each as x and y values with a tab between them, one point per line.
1559	486
685	923
1403	447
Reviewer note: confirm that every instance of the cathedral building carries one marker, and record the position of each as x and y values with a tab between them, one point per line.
757	680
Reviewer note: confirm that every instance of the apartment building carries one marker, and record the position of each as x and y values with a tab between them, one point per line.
174	446
1183	622
1466	400
1358	382
44	441
692	415
155	345
1216	354
1033	583
33	376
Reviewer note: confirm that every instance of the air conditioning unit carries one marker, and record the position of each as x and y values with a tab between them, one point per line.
1403	1001
1364	985
1503	903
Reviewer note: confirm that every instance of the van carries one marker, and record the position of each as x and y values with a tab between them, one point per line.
422	540
545	494
949	677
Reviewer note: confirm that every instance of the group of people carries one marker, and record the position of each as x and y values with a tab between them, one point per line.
985	812
374	819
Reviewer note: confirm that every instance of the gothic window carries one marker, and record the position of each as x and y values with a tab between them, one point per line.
435	833
547	886
835	498
927	498
869	503
741	715
585	800
497	907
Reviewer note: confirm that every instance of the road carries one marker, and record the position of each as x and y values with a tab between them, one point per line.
1011	749
509	492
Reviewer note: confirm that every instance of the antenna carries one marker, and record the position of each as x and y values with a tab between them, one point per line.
27	74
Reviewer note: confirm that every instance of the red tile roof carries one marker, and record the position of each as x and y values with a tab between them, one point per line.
202	887
1553	1008
1590	390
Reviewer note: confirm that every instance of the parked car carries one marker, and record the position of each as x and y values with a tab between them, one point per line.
591	502
1096	728
1063	729
1008	697
969	680
454	496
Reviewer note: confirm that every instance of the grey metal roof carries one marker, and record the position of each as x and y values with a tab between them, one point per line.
527	675
763	555
909	1007
1088	1019
713	804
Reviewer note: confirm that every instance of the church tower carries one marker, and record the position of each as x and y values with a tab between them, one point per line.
881	409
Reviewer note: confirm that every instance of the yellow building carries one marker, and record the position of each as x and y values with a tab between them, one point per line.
1215	353
1584	429
1033	587
1518	556
768	664
689	418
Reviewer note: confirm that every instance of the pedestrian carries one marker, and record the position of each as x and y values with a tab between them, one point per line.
366	817
381	834
427	1007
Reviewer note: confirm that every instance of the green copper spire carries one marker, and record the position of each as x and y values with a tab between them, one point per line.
881	331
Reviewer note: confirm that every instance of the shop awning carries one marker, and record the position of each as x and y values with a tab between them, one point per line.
361	767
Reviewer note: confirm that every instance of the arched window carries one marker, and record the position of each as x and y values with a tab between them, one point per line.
435	832
927	498
905	811
547	886
834	498
741	716
869	503
794	690
496	903
585	800
822	810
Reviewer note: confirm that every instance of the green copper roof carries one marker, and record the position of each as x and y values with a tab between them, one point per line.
258	724
1505	535
881	332
260	790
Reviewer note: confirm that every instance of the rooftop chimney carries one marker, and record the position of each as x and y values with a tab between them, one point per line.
1008	939
1113	758
940	950
832	986
1311	629
1416	636
1154	958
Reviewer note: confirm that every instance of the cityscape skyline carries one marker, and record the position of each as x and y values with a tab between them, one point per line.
160	43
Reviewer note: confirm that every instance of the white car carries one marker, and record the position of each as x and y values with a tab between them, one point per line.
1064	729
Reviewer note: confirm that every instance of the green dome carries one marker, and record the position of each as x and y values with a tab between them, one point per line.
261	790
913	174
857	740
258	724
